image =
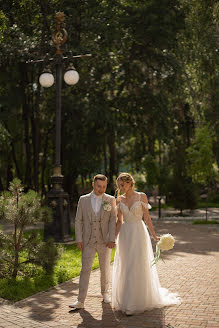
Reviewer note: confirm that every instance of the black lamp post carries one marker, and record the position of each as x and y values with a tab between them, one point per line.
159	207
57	198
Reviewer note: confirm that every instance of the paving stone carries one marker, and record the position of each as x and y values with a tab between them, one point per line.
191	269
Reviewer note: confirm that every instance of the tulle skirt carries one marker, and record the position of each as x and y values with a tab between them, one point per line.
135	282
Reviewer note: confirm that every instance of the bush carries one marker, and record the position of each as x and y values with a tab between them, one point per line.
19	250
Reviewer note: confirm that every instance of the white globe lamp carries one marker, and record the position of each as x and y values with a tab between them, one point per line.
71	76
46	79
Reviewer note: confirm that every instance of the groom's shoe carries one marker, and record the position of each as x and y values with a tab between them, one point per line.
77	305
106	298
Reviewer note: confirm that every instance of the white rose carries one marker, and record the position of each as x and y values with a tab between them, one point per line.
166	242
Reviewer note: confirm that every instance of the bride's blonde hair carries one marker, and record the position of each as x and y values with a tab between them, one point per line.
125	177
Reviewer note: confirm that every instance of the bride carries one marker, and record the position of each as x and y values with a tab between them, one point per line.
135	282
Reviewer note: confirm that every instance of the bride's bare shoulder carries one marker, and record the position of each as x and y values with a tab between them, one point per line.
143	197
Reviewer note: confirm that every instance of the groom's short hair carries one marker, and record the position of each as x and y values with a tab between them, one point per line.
100	177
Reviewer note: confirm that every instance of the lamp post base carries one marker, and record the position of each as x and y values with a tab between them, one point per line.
60	227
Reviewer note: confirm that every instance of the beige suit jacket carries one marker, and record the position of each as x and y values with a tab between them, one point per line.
83	219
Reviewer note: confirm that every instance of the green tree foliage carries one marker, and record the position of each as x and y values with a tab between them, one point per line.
202	165
3	26
18	250
150	60
197	56
183	190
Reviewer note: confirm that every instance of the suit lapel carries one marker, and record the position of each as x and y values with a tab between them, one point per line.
89	206
101	209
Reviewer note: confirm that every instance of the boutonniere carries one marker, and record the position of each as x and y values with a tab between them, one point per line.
106	206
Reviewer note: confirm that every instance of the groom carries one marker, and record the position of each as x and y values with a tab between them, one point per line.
95	232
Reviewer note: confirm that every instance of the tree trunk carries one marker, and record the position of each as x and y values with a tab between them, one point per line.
143	145
43	168
160	163
70	186
105	158
16	258
25	114
13	154
112	160
35	122
9	175
217	150
25	117
151	139
82	181
15	269
1	185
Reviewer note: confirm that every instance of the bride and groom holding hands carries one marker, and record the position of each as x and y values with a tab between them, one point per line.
100	221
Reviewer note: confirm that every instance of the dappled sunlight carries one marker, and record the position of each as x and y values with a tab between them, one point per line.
189	269
42	306
190	238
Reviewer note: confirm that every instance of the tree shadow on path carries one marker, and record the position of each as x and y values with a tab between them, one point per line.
193	239
43	306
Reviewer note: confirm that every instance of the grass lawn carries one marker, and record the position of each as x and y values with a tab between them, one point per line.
67	267
206	222
202	204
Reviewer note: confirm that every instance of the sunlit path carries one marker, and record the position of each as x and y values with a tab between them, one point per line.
190	269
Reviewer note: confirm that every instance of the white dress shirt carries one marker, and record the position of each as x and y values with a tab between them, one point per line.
96	202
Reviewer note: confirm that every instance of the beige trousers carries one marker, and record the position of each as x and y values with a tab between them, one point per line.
88	255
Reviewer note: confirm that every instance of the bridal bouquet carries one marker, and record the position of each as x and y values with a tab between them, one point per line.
165	243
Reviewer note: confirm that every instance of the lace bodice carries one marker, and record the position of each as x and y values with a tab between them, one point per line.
135	213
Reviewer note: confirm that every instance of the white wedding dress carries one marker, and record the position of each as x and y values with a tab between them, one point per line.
135	282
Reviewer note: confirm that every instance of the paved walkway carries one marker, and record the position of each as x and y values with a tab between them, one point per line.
197	214
191	269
